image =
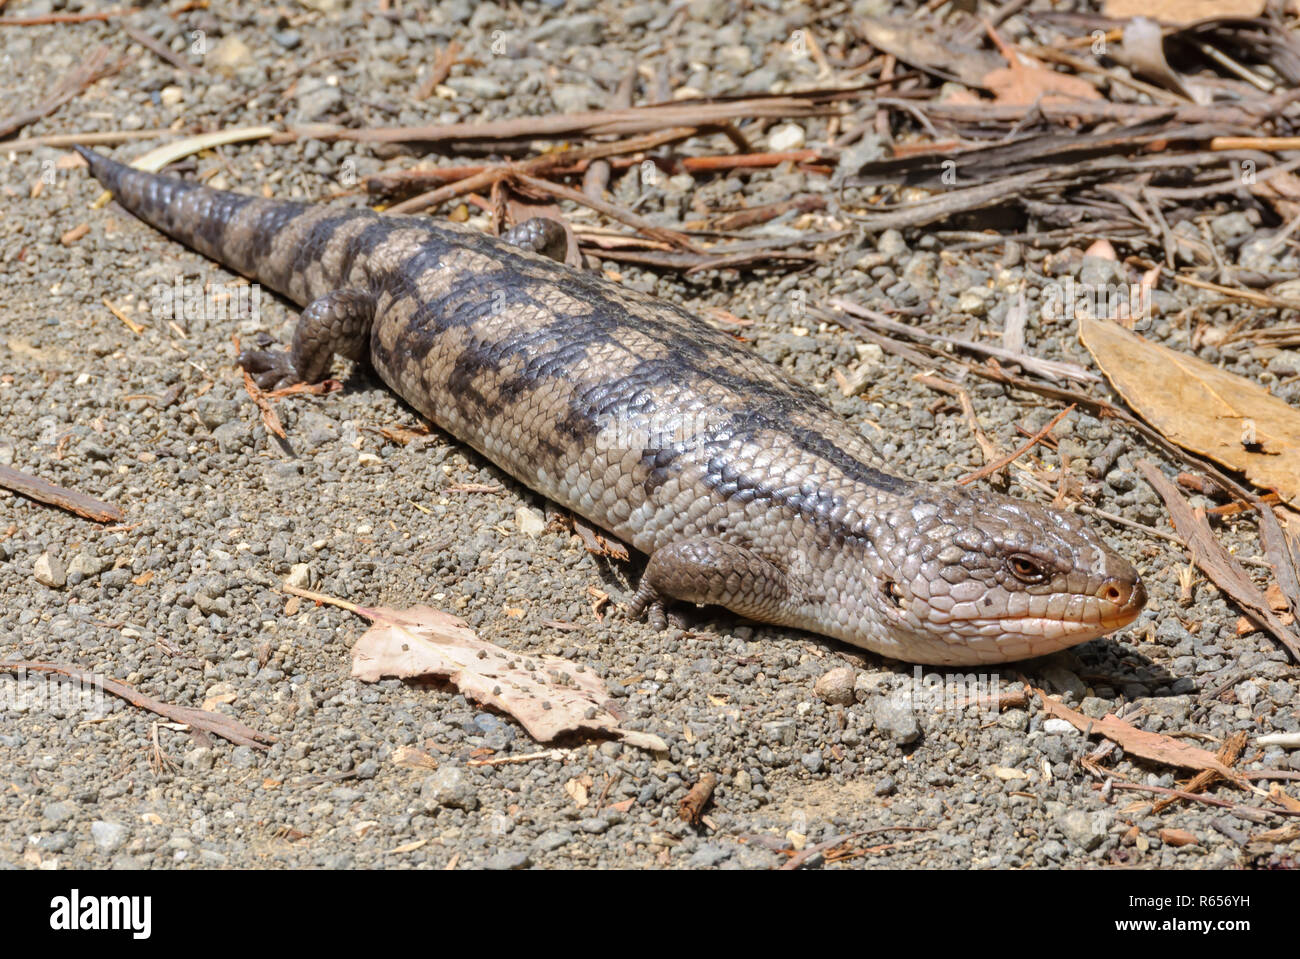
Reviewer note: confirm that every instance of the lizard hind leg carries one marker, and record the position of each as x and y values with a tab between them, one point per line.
540	235
338	322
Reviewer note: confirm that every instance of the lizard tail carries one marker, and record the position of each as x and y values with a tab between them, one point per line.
227	227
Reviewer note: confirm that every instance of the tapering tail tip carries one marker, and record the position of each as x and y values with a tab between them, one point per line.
128	185
100	165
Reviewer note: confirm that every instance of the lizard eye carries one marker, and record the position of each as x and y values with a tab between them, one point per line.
1026	569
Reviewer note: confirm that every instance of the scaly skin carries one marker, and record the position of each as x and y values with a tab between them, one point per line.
745	489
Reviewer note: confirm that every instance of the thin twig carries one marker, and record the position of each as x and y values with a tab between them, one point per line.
1250	812
155	46
1010	458
215	723
66	18
441	69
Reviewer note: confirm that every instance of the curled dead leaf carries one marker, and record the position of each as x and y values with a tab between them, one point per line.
1144	52
1177	837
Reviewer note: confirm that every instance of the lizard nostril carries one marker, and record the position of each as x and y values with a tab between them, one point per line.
1124	597
1121	594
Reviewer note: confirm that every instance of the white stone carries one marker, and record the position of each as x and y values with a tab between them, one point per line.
299	576
788	136
529	520
1058	727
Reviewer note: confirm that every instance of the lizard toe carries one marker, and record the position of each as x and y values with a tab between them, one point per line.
270	369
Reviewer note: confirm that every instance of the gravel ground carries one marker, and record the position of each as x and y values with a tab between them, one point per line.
182	600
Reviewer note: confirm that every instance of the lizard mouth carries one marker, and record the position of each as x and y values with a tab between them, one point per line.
1121	603
1074	630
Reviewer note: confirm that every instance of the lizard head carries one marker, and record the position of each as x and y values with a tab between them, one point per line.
963	577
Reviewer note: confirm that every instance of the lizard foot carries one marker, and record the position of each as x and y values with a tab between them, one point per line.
270	369
649	604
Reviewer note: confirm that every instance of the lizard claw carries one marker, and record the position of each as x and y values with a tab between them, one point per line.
270	369
649	604
656	616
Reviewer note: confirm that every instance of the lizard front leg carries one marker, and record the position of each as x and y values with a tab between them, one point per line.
338	322
713	572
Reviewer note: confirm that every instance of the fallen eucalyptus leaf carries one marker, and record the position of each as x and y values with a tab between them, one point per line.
1182	12
548	695
1202	408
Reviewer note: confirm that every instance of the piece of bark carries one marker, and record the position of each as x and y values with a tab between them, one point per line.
1217	563
1139	742
44	491
691	806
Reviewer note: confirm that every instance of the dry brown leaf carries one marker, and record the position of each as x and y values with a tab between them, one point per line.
1201	407
919	45
1139	742
1183	11
547	694
1021	83
597	543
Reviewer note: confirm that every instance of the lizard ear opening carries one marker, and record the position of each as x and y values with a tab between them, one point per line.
893	593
